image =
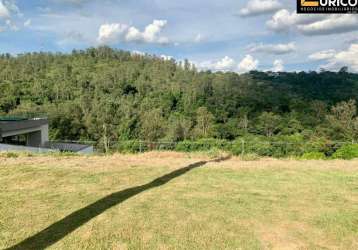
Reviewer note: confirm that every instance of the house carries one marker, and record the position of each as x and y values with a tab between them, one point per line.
25	132
31	134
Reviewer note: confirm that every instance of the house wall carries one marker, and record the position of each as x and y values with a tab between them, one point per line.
36	136
7	147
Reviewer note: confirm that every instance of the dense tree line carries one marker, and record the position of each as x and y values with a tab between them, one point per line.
107	95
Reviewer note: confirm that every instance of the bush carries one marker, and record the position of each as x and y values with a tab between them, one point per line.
132	146
184	146
67	154
250	157
287	145
319	145
165	145
61	153
9	154
202	145
278	146
346	152
313	156
214	153
251	145
27	154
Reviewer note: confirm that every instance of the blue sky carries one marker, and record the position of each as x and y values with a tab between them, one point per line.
223	35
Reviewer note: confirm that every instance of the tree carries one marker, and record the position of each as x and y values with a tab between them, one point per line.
153	125
145	97
319	109
179	127
343	120
291	126
204	123
268	123
343	70
244	123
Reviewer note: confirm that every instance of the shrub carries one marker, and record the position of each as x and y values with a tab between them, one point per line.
319	145
277	146
165	145
67	154
251	144
184	146
250	157
9	154
287	145
346	152
132	146
61	153
214	153
27	154
313	156
202	145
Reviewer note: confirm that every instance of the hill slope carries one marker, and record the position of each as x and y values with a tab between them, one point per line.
103	93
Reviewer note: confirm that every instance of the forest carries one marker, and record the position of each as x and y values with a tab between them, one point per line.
108	96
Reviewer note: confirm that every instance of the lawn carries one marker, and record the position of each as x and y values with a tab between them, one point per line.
177	201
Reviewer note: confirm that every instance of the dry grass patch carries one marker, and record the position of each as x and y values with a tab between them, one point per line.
233	204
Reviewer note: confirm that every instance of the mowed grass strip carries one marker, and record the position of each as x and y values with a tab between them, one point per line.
266	204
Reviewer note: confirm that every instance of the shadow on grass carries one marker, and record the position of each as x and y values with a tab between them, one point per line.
65	226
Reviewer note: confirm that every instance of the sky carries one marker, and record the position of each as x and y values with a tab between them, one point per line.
221	35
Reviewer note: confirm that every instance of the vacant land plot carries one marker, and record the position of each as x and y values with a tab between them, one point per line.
177	201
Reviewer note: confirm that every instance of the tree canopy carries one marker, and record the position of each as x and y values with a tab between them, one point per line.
104	95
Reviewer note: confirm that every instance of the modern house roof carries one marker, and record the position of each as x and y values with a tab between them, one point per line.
7	125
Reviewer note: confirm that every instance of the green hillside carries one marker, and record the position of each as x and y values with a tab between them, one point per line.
101	94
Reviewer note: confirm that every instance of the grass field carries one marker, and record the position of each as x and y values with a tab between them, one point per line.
177	201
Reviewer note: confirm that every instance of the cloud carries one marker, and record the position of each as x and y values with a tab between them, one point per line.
335	24
72	2
343	58
226	64
283	20
4	11
259	7
117	32
166	58
348	57
72	37
278	66
7	10
137	53
247	64
311	25
11	25
27	23
351	40
322	55
275	49
44	9
111	33
198	38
